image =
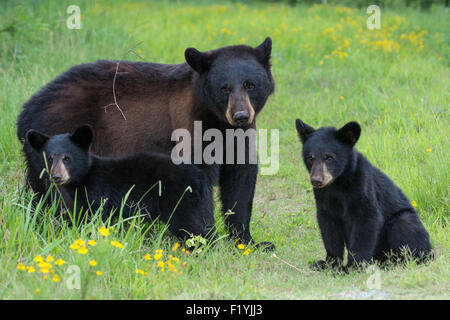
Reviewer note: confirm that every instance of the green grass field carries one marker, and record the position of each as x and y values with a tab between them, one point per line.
329	69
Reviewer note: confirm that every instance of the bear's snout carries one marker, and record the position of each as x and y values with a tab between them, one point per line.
240	111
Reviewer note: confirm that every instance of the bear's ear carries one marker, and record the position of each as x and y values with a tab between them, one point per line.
303	130
349	133
199	61
264	50
36	139
83	136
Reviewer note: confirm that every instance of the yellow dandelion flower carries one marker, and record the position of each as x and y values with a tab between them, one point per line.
80	242
37	291
161	264
246	252
83	250
157	256
92	243
59	262
45	277
21	266
175	246
49	259
45	270
98	272
139	271
414	204
241	246
147	257
341	98
38	258
117	244
429	149
74	246
175	259
184	264
93	263
104	231
30	269
56	278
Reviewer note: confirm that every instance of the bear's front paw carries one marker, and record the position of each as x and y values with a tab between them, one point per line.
319	265
265	246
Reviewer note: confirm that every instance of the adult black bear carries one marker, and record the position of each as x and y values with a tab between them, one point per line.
92	180
358	206
224	88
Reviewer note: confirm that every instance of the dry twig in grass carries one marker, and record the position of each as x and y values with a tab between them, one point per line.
115	76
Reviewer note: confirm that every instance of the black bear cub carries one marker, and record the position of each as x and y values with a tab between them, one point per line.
358	206
91	180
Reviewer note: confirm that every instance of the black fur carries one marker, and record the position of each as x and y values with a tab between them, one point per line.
93	179
360	208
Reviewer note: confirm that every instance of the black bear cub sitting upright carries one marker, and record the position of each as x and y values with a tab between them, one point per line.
94	179
358	206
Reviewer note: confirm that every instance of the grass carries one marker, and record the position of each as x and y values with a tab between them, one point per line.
329	69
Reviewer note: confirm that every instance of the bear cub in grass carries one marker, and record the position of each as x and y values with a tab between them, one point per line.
93	179
358	206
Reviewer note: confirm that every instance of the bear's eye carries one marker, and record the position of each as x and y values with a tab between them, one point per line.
226	89
49	160
248	85
328	157
310	157
66	159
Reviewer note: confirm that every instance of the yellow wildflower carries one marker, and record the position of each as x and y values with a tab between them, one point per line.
21	266
59	262
429	149
117	244
92	243
74	246
30	269
38	258
341	98
98	272
175	246
414	204
56	278
45	270
139	271
49	259
80	242
147	257
246	252
104	231
161	264
83	250
37	291
241	246
93	263
157	256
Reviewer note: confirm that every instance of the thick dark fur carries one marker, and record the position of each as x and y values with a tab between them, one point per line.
91	179
219	88
358	206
